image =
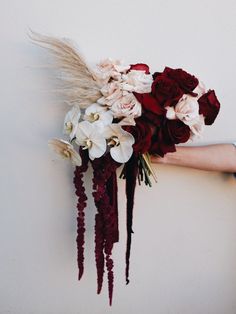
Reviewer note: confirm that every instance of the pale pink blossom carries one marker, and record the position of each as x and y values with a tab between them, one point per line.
186	110
200	89
111	92
137	81
109	68
126	106
197	127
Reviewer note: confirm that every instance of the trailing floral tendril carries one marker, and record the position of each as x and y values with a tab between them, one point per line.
106	224
81	204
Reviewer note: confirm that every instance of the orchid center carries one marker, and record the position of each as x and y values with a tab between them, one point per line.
69	126
66	153
87	144
114	141
94	116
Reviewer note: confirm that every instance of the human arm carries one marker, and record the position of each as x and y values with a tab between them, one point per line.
217	157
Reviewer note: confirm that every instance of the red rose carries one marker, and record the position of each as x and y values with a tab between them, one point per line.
186	81
150	108
152	118
149	103
142	134
171	132
140	67
209	106
177	131
161	145
165	90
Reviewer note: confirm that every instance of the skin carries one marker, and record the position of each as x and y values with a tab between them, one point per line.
218	157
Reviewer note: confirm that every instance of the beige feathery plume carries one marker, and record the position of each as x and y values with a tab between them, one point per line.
80	85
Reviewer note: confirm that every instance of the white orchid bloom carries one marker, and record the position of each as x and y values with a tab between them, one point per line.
120	142
98	114
137	81
71	121
65	150
87	135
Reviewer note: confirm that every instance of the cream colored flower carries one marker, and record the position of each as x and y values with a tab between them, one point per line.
111	92
89	137
197	127
71	121
200	89
122	103
65	150
170	113
127	121
186	110
126	106
109	68
120	142
110	88
137	81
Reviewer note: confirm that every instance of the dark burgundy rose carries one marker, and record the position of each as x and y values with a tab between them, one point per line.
161	145
177	131
149	103
140	67
186	81
154	75
142	133
165	90
209	106
170	133
152	118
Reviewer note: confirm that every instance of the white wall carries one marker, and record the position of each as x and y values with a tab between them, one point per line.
184	253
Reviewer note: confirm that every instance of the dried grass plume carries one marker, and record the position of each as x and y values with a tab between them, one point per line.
80	85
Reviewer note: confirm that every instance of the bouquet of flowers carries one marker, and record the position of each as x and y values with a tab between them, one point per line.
119	115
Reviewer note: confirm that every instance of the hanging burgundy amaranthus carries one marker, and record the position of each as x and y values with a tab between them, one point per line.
81	205
106	219
106	225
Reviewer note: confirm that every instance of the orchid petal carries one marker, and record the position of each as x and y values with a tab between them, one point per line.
65	150
121	153
98	146
84	131
71	121
94	108
88	136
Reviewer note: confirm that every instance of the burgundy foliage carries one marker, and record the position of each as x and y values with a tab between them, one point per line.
106	225
82	198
